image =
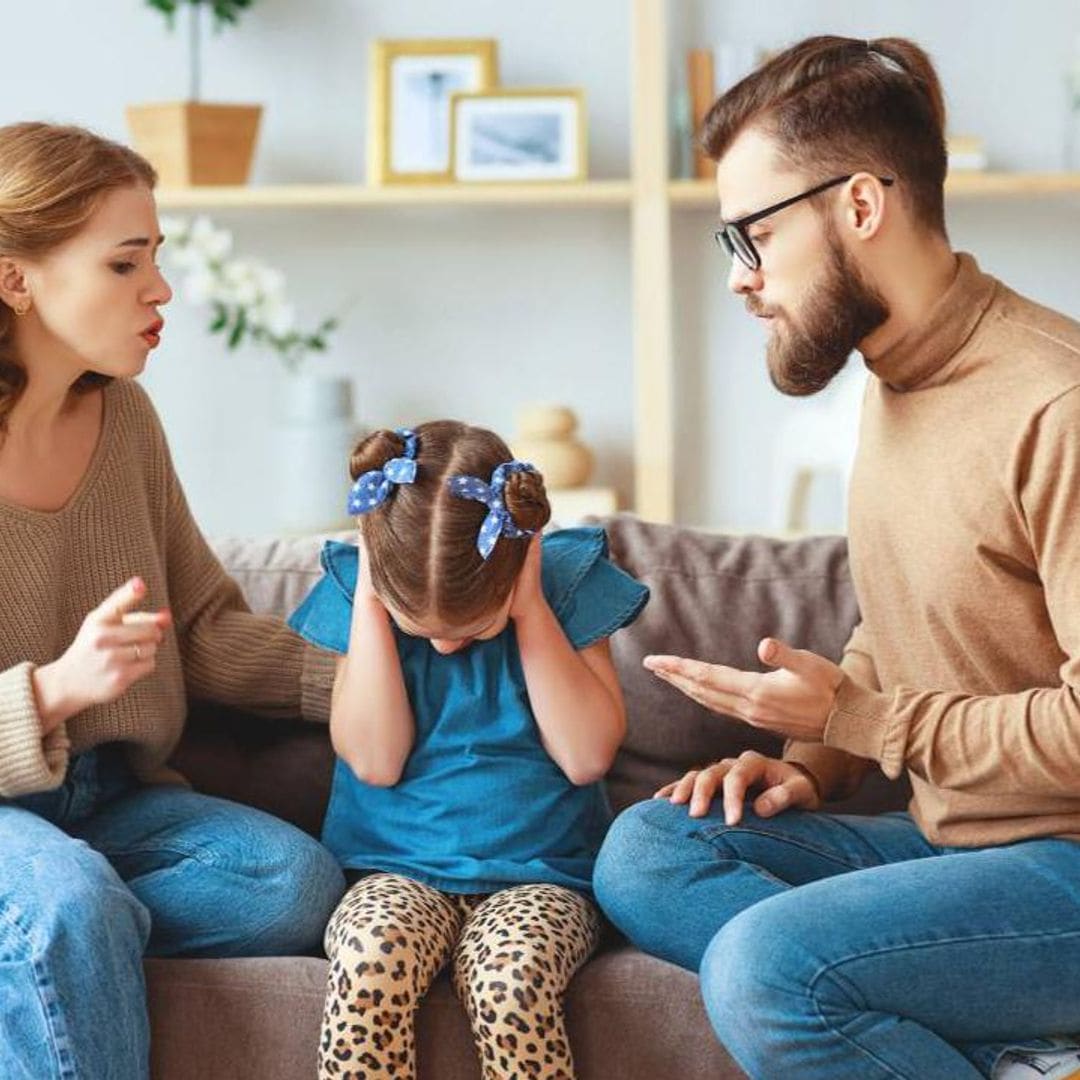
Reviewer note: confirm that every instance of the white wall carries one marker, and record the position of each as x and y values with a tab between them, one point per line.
472	312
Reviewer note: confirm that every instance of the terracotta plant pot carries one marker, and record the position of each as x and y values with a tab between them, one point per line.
193	142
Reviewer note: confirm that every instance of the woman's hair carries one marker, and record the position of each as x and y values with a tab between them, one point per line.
52	179
421	541
835	105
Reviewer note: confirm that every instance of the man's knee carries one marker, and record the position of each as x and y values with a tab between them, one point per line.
638	846
759	965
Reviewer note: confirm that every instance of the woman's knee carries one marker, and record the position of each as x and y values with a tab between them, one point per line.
299	896
69	899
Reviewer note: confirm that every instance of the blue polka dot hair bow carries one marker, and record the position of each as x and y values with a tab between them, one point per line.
373	488
498	521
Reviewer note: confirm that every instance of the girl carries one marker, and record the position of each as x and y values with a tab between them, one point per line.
474	713
103	854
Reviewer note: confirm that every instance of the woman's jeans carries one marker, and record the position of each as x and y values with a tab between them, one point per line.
839	947
102	871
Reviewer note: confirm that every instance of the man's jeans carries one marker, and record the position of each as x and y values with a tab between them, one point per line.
840	947
102	871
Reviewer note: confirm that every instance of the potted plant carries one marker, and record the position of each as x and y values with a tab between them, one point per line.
195	142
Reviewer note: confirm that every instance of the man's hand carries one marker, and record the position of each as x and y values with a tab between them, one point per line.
785	785
795	700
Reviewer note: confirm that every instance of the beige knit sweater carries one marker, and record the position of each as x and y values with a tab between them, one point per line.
965	552
128	517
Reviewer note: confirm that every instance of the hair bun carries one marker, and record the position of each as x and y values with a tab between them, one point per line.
527	500
374	451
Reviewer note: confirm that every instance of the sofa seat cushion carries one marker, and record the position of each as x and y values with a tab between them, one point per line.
628	1015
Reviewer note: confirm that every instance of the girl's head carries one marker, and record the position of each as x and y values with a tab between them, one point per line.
79	288
422	540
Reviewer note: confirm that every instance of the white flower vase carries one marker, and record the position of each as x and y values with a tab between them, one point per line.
315	434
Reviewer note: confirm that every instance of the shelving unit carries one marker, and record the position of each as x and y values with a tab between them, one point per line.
600	193
701	194
649	195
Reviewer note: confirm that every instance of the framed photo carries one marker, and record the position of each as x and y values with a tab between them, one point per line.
510	134
411	85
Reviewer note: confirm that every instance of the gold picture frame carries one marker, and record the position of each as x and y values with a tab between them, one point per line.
519	135
412	81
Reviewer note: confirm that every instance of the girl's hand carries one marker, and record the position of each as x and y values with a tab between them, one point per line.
528	591
364	589
115	647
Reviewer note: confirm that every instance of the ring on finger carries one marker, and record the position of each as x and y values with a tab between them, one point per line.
137	652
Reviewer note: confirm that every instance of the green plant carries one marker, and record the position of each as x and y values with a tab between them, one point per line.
247	298
225	12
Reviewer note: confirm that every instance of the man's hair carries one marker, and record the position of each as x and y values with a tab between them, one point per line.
836	105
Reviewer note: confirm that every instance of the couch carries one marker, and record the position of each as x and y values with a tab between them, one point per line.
629	1015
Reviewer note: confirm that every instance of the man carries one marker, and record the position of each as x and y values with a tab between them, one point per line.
925	944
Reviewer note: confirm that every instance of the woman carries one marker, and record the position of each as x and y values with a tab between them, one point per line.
112	611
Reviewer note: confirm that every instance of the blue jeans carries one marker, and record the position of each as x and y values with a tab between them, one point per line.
103	870
833	946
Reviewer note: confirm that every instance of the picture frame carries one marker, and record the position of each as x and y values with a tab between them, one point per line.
412	81
510	134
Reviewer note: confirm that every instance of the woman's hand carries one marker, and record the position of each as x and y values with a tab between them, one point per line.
528	591
785	785
115	647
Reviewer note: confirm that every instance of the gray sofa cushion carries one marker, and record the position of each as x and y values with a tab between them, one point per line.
713	597
627	1014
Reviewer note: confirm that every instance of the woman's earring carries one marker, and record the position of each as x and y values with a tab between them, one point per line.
23	308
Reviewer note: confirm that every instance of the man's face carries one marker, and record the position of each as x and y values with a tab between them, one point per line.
817	302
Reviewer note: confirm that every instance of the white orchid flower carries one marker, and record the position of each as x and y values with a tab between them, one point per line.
201	287
250	296
213	243
278	317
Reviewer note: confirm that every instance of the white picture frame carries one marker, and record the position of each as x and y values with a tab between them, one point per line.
530	134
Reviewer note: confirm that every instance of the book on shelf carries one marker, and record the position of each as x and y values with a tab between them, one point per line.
709	73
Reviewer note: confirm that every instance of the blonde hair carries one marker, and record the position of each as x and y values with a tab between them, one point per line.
52	178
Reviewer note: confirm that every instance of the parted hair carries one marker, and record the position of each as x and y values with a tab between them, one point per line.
421	542
835	105
52	178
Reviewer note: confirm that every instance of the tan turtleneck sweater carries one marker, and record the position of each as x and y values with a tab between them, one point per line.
965	551
127	517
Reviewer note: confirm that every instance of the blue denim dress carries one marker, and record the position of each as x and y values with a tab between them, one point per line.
480	804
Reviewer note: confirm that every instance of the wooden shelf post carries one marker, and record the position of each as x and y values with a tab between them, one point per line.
651	318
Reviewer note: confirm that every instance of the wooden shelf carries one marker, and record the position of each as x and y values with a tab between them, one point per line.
603	193
647	196
701	194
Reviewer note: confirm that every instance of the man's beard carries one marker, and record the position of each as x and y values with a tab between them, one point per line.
841	309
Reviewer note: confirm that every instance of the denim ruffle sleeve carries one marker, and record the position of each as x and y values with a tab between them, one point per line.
325	615
590	596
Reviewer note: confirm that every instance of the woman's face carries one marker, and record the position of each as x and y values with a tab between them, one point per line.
96	297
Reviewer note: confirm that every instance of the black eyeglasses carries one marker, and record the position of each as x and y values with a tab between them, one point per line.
735	240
